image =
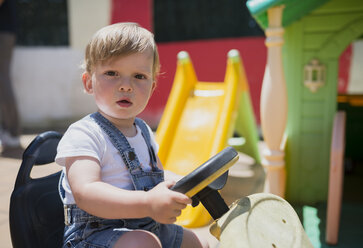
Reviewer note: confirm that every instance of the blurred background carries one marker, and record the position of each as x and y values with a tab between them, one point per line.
52	35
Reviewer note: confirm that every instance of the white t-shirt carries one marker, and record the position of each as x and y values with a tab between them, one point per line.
86	138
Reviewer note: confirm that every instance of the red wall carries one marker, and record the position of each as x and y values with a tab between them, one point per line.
209	58
344	70
139	11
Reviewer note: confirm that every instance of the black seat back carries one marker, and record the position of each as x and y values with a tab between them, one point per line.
36	211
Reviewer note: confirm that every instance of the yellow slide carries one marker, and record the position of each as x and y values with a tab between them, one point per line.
198	120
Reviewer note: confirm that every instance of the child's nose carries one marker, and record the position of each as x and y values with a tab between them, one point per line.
125	85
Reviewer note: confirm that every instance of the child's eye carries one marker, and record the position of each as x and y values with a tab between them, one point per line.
140	76
111	73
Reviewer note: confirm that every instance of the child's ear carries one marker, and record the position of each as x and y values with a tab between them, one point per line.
87	82
153	86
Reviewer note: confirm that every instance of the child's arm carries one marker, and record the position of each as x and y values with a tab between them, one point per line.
109	202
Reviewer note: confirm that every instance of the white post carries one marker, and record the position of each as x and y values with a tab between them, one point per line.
274	106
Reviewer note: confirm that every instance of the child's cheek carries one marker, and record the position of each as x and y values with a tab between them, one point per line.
108	83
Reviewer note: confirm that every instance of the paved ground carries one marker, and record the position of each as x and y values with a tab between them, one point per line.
244	176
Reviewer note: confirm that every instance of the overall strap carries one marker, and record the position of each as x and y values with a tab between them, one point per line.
121	144
146	134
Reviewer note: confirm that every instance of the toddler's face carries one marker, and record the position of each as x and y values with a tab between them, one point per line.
122	86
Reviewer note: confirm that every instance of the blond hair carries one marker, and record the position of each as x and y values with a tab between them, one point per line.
119	39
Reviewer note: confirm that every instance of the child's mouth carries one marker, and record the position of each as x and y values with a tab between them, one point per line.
124	103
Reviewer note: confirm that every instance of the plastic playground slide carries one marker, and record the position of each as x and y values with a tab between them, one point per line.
197	122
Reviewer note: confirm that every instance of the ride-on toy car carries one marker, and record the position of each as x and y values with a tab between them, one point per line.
260	220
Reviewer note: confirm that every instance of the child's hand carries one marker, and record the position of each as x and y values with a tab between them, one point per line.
165	204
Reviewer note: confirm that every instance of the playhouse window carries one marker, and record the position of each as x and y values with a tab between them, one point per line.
314	75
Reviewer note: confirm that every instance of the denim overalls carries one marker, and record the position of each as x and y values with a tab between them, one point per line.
85	230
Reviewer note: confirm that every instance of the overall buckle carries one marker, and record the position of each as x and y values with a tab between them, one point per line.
67	215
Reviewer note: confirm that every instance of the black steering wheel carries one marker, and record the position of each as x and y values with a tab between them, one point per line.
203	183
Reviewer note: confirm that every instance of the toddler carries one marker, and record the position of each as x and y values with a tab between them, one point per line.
112	185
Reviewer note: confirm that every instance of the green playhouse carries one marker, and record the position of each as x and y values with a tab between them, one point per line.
315	34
